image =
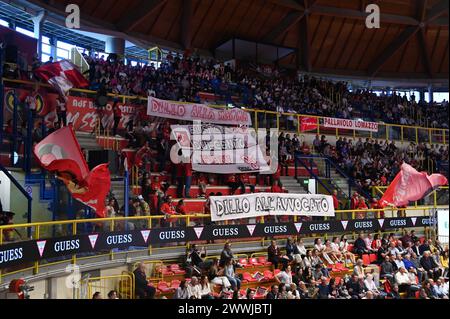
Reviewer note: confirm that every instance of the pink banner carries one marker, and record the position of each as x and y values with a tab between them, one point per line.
191	112
350	124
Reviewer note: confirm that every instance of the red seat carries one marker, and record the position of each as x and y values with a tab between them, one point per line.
366	260
350	247
175	284
243	262
276	271
421	239
263	261
268	275
246	276
164	287
373	258
255	262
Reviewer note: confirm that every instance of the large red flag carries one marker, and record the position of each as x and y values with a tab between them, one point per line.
60	153
62	75
410	185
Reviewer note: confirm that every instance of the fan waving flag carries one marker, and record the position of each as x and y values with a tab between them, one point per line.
60	153
410	185
62	75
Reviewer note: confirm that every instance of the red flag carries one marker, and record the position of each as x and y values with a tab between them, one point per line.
60	153
410	185
308	123
62	75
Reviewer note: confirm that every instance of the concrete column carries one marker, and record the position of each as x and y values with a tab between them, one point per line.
38	22
430	93
115	45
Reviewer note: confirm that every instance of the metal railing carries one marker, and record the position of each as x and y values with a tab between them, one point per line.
123	284
396	132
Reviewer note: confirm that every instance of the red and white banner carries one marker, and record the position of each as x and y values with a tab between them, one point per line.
350	124
308	123
191	112
83	115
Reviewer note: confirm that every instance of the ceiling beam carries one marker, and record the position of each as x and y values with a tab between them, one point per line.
291	4
139	14
391	49
288	22
356	14
438	9
425	56
186	24
304	48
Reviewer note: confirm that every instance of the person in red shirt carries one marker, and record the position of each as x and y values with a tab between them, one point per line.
361	205
376	205
117	116
354	201
245	181
335	200
168	210
181	210
202	183
276	187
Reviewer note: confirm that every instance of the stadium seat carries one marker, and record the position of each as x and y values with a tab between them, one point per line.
366	260
263	261
373	258
255	262
246	276
175	284
350	248
175	268
164	287
244	262
268	275
276	271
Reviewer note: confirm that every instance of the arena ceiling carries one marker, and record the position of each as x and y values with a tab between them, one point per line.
328	36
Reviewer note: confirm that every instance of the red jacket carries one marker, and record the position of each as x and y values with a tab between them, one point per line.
276	189
335	202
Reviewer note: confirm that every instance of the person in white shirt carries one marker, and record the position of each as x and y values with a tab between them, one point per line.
205	288
284	276
293	293
403	281
371	286
399	261
393	250
194	289
438	290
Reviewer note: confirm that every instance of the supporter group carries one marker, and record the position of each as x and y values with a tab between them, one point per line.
370	267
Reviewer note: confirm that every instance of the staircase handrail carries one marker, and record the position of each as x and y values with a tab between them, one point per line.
312	173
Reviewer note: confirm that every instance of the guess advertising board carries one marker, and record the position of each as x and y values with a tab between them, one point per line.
29	251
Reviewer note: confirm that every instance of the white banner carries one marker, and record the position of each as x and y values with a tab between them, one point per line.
350	124
264	204
201	112
222	150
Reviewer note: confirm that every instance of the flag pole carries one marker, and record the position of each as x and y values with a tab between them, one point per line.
126	192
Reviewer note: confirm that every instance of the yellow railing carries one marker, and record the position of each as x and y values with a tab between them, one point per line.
123	284
402	133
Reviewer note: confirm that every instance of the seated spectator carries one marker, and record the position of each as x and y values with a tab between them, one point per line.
387	269
354	288
182	291
403	281
97	295
142	288
359	246
372	287
438	290
113	295
216	275
293	293
194	289
273	293
358	269
275	256
395	293
205	288
226	254
429	265
231	276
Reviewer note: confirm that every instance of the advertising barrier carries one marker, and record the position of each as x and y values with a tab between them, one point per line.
33	250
